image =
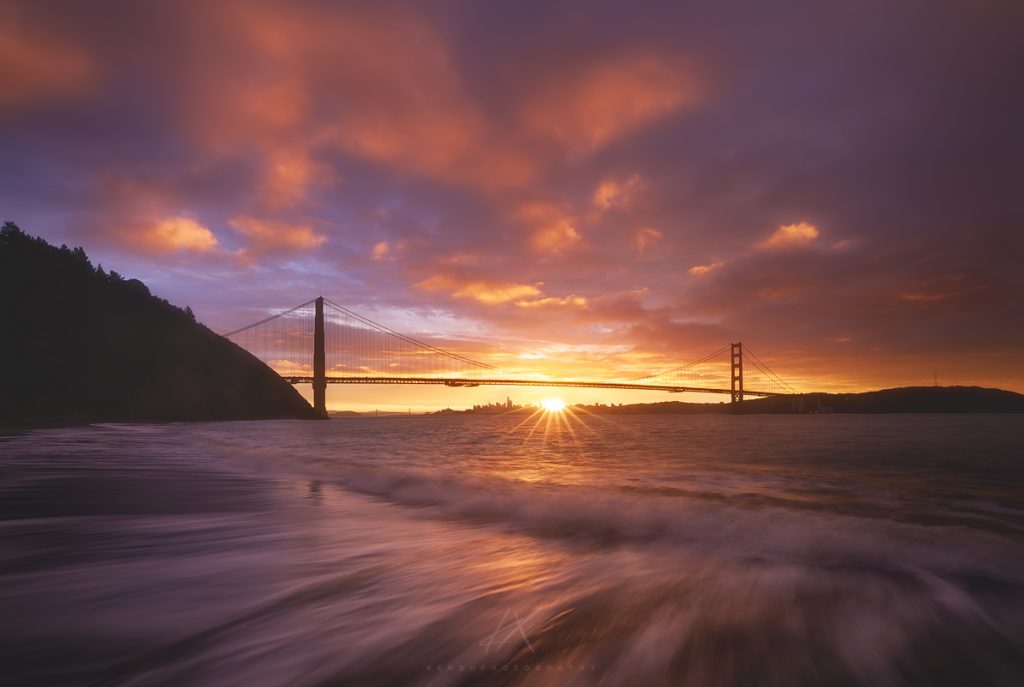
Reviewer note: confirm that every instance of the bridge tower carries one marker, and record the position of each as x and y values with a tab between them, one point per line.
737	372
319	361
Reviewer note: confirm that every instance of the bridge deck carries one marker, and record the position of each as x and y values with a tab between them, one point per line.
464	382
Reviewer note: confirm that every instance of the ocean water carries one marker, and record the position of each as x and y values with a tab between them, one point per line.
547	550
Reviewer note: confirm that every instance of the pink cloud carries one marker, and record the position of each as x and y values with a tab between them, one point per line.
274	236
601	102
479	290
645	238
39	64
699	270
552	230
790	236
173	234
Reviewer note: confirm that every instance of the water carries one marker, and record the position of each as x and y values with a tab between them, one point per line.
632	550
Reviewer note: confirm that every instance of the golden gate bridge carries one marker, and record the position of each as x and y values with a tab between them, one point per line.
320	342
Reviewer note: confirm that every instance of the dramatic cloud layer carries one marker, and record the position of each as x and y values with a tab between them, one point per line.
592	187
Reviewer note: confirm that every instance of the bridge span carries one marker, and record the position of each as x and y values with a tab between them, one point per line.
563	383
321	343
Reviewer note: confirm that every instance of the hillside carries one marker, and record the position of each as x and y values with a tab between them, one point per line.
80	345
911	399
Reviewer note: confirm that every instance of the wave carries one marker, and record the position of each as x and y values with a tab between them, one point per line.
758	529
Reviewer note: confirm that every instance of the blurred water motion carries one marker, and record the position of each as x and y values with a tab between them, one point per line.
821	550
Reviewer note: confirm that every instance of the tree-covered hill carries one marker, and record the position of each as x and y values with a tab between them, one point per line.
81	345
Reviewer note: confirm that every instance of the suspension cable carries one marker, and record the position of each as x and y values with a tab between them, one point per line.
760	364
408	339
681	368
268	319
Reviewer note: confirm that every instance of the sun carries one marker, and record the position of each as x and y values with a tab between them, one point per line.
553	405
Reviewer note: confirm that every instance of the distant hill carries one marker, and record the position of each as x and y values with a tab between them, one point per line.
908	399
911	399
80	345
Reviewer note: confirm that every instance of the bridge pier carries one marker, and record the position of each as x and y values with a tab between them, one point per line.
319	361
736	386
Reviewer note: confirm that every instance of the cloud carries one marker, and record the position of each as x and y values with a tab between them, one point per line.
386	76
645	237
699	270
381	250
611	193
289	175
556	237
40	65
275	236
599	103
178	234
945	288
790	236
550	301
552	229
479	290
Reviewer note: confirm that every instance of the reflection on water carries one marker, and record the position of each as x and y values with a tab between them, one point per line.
559	550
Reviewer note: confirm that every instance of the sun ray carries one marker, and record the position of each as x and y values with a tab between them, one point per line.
529	417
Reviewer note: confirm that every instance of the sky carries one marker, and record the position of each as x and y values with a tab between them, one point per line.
598	188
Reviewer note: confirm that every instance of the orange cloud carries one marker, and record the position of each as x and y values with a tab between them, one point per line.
555	238
698	270
551	301
790	236
459	259
642	238
274	103
493	294
267	236
612	193
948	287
482	291
37	66
552	230
288	176
178	234
606	101
394	94
393	91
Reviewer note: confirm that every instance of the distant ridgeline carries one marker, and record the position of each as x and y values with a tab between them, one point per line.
80	345
910	399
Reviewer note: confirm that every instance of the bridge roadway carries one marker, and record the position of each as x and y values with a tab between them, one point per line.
462	382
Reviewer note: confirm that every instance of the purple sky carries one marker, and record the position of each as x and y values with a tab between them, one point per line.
612	186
